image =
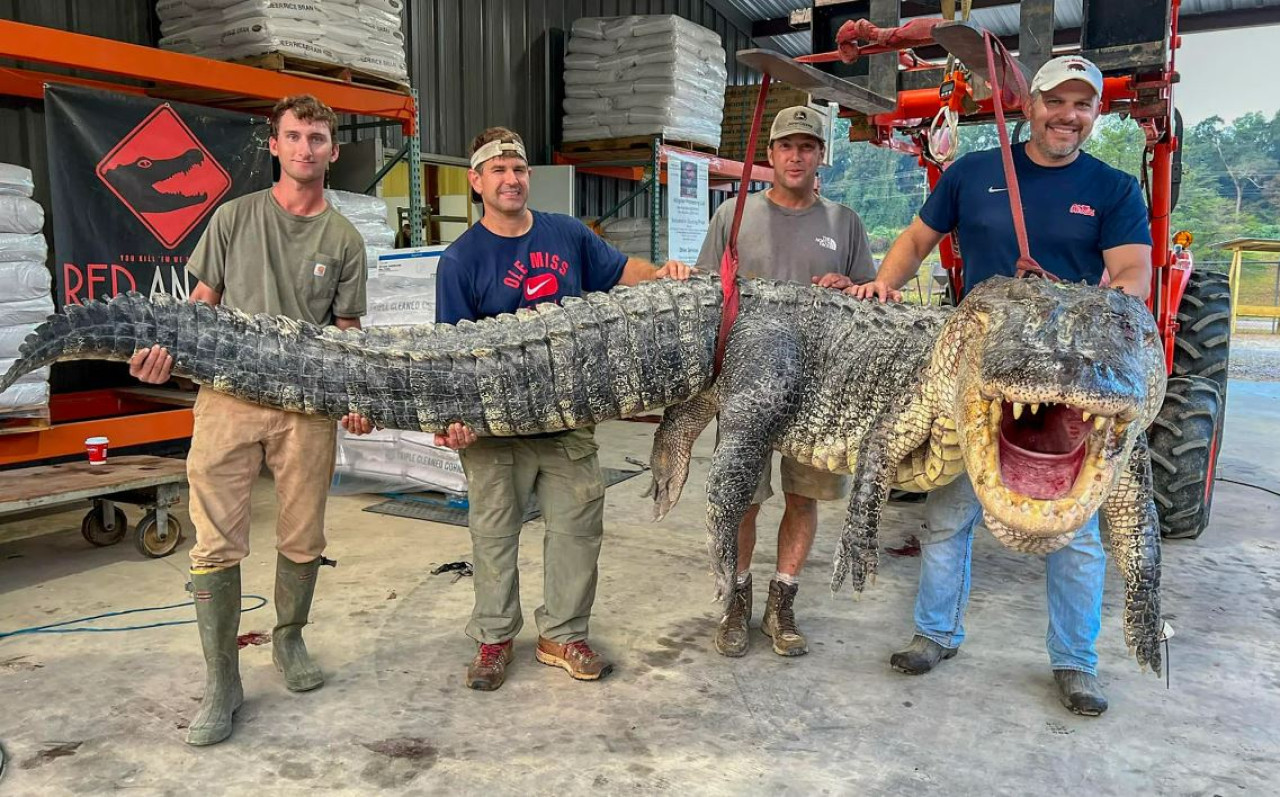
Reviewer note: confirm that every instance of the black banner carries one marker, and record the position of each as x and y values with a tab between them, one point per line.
134	182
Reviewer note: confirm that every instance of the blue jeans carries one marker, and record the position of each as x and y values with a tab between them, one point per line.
1074	578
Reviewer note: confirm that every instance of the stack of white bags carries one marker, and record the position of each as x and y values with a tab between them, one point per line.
369	216
364	34
25	298
631	236
643	75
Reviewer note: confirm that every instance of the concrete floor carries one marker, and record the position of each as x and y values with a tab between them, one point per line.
97	712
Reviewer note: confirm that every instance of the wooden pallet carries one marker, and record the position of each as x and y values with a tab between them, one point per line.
310	68
23	425
630	147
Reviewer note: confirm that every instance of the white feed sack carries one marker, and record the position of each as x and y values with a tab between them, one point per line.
364	34
643	75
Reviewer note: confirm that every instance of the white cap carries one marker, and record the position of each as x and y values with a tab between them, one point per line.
1057	71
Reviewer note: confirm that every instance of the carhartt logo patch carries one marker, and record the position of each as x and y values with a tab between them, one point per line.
318	270
1082	210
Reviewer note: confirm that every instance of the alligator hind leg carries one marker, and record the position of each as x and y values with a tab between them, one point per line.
759	391
673	448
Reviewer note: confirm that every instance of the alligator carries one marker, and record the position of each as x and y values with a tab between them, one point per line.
136	182
1040	392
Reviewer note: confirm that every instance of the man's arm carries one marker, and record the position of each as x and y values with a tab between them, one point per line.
637	271
902	262
353	422
1129	268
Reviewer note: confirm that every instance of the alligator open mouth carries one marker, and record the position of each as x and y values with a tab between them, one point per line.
1045	466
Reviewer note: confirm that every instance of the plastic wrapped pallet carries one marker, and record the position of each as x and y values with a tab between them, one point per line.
390	461
363	34
643	75
25	284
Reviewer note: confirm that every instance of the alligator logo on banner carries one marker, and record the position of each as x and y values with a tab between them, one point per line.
134	182
162	173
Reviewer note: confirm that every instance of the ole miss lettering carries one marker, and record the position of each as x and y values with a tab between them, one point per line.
538	279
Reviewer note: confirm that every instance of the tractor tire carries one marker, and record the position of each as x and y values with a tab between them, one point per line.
1203	344
1184	441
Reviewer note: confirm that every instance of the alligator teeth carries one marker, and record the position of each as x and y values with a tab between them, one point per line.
1099	422
1017	410
1035	408
1087	415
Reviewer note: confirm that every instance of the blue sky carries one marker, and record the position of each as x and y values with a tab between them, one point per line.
1216	78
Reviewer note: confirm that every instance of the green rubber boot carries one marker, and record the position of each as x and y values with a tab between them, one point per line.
295	585
217	599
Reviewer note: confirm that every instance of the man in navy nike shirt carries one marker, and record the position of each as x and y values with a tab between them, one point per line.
516	257
1083	218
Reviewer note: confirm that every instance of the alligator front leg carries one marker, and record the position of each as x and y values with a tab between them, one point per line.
858	554
673	449
1130	513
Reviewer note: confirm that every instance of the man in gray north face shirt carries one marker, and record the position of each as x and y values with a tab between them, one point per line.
788	232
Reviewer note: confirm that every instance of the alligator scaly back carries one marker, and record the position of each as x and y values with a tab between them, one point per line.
605	356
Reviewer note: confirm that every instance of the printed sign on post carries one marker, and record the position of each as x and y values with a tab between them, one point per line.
687	206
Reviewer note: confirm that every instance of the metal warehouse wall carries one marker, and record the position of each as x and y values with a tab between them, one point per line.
479	63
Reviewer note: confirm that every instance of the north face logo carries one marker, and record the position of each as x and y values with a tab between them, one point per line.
165	176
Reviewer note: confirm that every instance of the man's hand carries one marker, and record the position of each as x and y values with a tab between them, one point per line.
878	290
356	424
459	437
674	269
832	280
152	365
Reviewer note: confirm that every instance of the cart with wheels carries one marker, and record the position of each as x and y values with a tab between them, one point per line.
153	483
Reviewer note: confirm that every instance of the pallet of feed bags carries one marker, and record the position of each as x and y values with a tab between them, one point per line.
363	35
643	75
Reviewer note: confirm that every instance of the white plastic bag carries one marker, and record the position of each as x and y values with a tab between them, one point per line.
16	246
23	280
20	214
15	179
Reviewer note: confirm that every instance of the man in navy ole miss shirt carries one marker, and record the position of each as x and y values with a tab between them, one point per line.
514	258
1083	218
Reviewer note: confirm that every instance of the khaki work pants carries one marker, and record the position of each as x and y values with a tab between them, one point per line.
564	471
231	441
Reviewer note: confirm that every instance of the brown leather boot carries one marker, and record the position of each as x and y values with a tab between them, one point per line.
732	637
779	623
575	658
488	669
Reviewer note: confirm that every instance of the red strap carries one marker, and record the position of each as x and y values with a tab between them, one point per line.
729	260
999	85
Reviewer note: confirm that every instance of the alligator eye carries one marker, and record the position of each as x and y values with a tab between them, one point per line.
143	163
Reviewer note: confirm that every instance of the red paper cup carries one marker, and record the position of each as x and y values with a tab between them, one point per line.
97	450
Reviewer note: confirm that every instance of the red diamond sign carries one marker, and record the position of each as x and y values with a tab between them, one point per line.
165	176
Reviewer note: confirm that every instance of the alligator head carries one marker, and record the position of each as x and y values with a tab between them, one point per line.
1053	383
137	182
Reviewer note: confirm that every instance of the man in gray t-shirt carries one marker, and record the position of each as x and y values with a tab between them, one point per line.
788	232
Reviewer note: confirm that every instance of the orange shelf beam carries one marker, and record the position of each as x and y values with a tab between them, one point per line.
721	169
33	43
121	418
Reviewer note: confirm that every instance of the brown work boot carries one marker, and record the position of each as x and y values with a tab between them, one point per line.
575	658
779	623
921	656
1080	692
488	669
732	636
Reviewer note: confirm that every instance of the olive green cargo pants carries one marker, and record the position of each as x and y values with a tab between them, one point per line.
564	472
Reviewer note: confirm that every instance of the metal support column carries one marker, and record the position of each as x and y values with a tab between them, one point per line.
415	175
655	201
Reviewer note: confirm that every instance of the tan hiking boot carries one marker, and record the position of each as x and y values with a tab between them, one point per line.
732	637
779	623
488	669
575	658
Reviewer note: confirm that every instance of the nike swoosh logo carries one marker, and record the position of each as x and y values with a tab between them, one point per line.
993	190
534	287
